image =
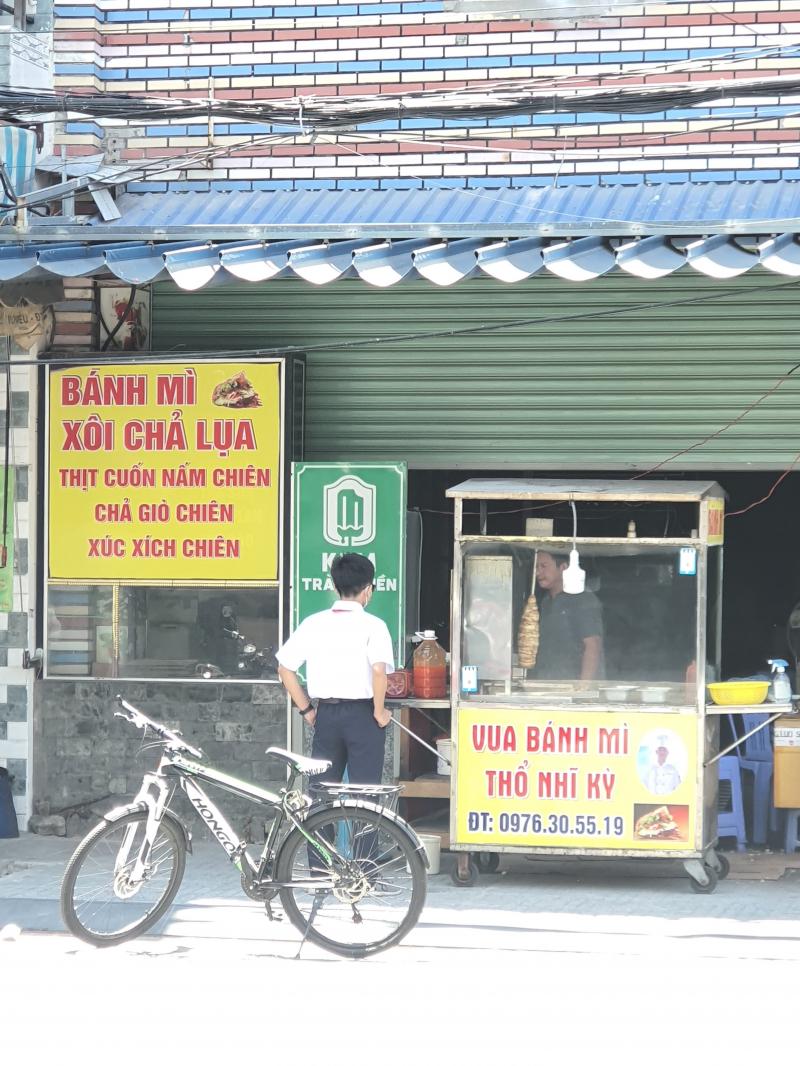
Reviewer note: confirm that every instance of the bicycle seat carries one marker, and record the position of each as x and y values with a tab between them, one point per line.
301	765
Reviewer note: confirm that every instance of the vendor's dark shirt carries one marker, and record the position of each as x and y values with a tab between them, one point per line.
565	621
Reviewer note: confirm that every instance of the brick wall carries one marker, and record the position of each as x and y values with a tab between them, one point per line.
85	760
251	51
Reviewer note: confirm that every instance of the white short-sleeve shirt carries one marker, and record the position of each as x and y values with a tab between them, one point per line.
339	647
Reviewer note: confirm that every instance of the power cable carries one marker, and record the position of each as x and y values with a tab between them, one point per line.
327	114
68	360
631	141
769	224
711	436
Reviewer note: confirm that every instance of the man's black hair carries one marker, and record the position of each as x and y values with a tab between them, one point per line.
350	573
561	559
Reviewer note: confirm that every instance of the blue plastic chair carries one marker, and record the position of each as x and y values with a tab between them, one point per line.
730	815
756	756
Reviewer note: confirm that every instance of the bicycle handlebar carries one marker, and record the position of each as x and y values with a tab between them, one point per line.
171	737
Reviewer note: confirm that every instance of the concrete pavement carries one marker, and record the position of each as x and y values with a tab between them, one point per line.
608	962
569	904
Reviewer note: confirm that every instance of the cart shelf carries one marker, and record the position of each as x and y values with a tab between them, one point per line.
426	788
760	708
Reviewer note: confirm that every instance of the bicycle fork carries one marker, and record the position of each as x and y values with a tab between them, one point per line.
153	795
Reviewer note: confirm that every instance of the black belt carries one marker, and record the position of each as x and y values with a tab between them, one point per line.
359	699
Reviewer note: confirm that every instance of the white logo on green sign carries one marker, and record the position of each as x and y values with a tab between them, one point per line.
349	512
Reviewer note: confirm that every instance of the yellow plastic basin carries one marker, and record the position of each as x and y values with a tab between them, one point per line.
738	693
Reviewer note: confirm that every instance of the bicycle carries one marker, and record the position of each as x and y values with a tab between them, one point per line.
349	873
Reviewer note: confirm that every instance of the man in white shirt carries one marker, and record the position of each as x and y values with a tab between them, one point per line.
348	654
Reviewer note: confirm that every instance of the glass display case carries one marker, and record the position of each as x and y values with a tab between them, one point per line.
638	617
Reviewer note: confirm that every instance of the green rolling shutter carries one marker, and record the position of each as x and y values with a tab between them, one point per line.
611	391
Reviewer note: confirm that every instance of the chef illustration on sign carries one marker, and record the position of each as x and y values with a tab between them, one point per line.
663	776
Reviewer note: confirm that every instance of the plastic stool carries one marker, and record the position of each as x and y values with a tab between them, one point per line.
730	819
792	829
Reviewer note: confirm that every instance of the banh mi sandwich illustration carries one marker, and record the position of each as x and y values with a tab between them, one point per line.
656	824
236	392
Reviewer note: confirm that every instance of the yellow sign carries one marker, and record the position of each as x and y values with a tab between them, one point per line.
716	521
583	781
165	472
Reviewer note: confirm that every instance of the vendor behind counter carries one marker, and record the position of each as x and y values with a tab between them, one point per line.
571	627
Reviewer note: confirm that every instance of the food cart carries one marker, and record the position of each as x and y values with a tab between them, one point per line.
618	756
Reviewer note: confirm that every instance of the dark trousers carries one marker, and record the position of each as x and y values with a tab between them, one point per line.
348	735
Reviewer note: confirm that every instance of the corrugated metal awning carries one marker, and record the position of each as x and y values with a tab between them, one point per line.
442	235
192	265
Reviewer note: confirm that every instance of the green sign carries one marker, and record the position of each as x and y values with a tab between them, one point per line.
7	571
350	507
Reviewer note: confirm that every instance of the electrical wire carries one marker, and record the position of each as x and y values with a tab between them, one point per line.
651	69
711	436
67	359
137	171
757	503
600	151
323	114
561	214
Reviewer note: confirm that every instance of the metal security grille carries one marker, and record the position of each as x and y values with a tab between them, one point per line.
583	384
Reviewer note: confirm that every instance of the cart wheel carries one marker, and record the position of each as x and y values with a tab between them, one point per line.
488	861
704	890
468	881
724	866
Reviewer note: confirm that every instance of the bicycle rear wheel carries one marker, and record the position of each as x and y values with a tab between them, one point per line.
375	891
99	901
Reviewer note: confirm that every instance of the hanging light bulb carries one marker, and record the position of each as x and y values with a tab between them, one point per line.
574	578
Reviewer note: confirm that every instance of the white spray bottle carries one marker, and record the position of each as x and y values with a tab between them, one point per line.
780	688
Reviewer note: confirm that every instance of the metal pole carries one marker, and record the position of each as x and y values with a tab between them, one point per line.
419	740
780	714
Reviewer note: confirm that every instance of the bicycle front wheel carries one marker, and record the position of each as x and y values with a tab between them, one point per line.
102	899
371	895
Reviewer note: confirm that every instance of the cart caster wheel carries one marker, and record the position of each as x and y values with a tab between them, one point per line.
488	861
704	890
469	880
723	867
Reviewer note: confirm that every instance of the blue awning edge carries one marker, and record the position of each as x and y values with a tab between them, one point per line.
193	265
384	237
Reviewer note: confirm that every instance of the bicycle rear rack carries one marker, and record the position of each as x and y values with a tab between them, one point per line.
382	795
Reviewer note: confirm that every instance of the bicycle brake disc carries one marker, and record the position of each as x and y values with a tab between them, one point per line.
124	888
352	889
